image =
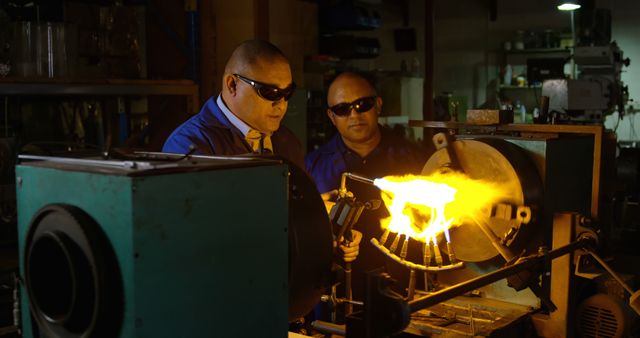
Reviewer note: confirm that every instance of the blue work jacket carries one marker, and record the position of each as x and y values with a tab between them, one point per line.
212	134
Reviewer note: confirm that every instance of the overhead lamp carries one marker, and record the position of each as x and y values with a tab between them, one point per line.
568	5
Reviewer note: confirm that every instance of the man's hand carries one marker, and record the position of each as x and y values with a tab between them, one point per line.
352	249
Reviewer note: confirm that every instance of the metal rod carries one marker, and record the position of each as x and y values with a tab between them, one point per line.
359	178
347	289
426	281
437	254
504	251
385	235
405	248
452	256
329	328
494	276
610	271
412	284
427	253
353	302
394	245
342	191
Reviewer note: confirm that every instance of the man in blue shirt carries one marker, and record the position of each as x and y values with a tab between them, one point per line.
364	147
246	116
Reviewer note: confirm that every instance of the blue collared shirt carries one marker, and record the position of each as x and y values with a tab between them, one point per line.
392	156
210	132
235	121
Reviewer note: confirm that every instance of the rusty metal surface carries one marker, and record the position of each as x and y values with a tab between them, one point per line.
469	317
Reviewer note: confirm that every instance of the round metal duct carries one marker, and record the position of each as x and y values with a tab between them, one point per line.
71	275
500	162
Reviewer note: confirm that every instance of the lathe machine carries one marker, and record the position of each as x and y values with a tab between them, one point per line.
530	262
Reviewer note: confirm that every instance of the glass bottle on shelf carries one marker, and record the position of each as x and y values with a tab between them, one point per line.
508	75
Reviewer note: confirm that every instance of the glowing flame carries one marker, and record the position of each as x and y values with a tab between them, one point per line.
421	207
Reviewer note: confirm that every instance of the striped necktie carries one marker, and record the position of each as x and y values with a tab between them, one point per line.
259	142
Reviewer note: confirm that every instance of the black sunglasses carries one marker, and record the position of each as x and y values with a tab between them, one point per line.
361	105
268	92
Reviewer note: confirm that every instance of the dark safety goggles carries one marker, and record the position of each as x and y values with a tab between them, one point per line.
361	105
269	92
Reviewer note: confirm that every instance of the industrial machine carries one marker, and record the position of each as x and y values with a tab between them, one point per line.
597	91
149	246
164	245
532	265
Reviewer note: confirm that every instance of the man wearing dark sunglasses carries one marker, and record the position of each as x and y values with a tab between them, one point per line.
256	87
245	117
361	146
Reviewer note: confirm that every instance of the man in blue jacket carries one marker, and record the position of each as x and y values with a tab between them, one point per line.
245	117
364	147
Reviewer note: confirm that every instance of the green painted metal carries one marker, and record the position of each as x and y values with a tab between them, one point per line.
201	253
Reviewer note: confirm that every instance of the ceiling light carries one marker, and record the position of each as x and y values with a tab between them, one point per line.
568	5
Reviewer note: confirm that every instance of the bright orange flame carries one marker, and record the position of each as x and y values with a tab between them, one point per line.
421	207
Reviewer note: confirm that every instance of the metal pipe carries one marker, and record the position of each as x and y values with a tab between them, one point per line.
494	276
405	248
412	284
427	253
359	178
383	238
426	250
426	281
452	256
343	181
437	254
394	244
610	271
329	328
504	251
348	289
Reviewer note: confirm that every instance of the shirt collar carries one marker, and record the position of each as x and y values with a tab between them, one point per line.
342	148
233	119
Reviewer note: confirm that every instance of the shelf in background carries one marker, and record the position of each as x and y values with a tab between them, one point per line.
101	87
20	86
519	87
537	51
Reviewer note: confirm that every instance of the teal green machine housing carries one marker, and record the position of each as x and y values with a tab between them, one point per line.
126	249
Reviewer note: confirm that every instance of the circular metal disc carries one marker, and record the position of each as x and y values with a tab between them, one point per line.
496	161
